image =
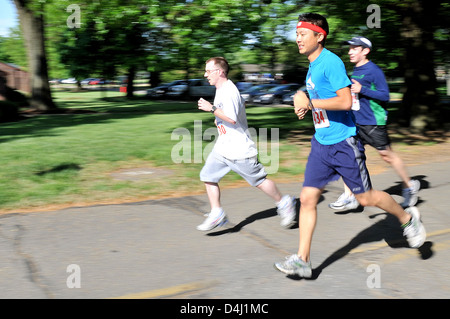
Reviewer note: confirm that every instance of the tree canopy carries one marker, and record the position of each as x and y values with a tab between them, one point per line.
117	36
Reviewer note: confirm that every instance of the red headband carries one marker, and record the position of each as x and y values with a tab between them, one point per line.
311	26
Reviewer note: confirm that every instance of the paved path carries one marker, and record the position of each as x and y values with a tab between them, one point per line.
151	249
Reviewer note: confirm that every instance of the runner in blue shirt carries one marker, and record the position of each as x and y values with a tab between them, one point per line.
370	93
335	152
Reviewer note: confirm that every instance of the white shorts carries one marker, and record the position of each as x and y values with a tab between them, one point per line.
217	166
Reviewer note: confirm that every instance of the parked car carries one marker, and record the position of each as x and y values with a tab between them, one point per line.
275	94
179	90
201	88
242	86
87	81
193	88
69	81
250	93
162	89
98	82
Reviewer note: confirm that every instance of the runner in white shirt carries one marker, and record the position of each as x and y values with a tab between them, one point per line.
234	142
234	149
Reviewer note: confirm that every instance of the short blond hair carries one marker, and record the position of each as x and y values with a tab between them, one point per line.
221	63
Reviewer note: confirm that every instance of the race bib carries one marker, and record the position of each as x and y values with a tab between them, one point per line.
320	118
221	128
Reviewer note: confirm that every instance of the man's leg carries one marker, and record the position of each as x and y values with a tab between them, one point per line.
300	264
383	201
213	191
309	198
409	218
217	216
270	189
410	187
212	172
392	158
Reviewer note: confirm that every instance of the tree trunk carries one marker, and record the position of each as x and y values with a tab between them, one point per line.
420	107
32	25
155	78
130	84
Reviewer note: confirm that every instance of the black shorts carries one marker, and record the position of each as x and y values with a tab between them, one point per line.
374	135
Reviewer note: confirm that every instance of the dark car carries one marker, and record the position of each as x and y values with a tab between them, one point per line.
161	90
275	94
250	93
242	86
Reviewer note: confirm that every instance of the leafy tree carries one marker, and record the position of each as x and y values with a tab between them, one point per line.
12	48
200	29
406	43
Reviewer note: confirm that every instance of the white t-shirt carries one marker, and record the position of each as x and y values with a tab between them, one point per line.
234	141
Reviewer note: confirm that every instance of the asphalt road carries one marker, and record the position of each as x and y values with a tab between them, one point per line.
152	249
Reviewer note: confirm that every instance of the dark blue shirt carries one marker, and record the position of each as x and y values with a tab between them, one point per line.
373	96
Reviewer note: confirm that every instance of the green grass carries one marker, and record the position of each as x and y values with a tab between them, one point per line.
68	159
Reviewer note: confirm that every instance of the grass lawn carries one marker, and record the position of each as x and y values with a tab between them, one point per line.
72	158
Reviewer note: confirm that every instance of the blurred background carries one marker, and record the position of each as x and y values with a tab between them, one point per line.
132	62
99	42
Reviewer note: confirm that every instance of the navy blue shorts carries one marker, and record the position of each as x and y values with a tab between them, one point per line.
346	159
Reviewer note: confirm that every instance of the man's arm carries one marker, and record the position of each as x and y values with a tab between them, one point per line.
207	107
381	91
341	102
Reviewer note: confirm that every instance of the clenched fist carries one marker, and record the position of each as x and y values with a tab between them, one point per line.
301	104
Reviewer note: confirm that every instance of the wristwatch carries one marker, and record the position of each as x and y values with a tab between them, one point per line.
213	109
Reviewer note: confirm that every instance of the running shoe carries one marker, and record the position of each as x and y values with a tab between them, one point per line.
415	232
410	194
213	220
293	265
287	211
345	202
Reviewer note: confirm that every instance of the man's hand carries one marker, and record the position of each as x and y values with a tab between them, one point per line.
356	86
204	105
301	104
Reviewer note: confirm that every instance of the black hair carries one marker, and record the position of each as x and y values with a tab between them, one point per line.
317	20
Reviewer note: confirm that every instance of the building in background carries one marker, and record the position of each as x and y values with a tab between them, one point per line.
14	77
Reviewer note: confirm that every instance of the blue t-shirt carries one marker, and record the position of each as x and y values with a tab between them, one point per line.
326	75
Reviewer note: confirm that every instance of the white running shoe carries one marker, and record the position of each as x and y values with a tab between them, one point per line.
293	265
345	202
410	194
213	220
415	232
287	211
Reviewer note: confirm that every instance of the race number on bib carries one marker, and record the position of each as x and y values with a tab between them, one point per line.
320	118
221	129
